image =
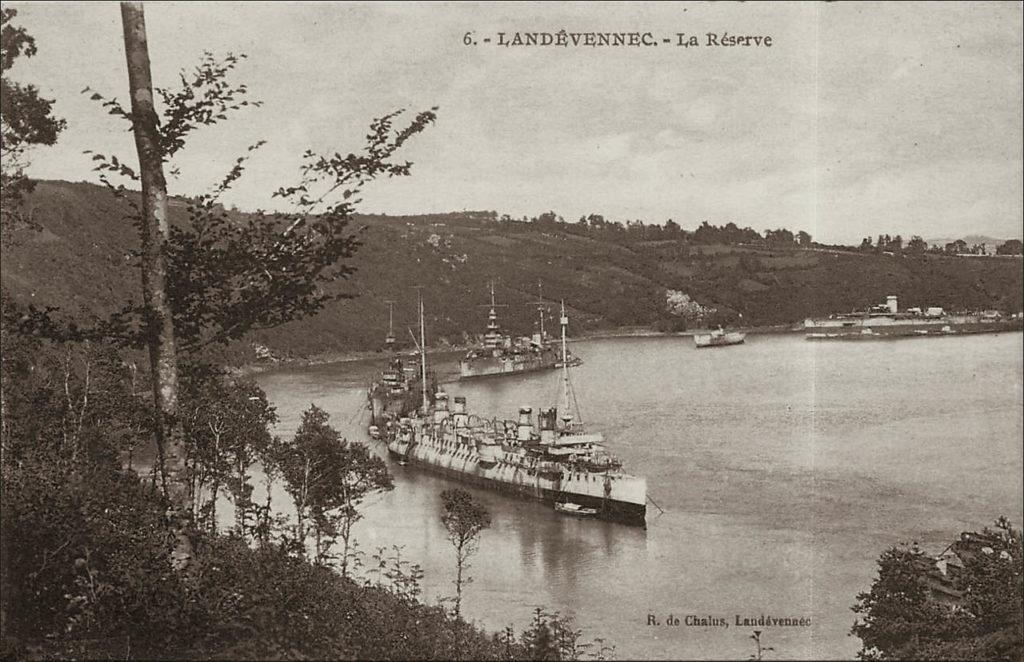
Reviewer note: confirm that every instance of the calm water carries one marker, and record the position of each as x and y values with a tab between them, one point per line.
784	467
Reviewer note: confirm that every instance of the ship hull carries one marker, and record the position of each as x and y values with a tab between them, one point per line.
625	502
707	340
493	366
385	405
889	328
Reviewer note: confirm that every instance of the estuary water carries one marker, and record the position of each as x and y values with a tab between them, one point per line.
784	468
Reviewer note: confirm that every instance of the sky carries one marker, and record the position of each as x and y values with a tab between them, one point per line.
860	119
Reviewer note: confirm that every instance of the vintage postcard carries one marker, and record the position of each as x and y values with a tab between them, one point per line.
512	330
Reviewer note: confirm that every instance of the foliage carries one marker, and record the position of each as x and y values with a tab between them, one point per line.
552	636
327	477
228	275
225	423
914	611
86	570
26	120
1011	247
464	518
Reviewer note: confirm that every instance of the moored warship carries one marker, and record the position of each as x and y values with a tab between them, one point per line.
398	389
554	460
888	321
502	354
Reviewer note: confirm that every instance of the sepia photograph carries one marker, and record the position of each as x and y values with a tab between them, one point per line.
511	330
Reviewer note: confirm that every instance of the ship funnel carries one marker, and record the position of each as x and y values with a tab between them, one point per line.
548	421
460	417
440	406
548	418
891	303
525	428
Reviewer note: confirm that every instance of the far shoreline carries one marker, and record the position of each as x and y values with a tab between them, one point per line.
327	358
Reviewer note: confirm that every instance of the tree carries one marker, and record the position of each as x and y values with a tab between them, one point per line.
225	422
26	119
552	636
917	245
363	473
1010	247
803	238
923	608
158	322
227	276
327	478
214	280
957	247
464	518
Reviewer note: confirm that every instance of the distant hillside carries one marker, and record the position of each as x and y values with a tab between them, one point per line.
81	261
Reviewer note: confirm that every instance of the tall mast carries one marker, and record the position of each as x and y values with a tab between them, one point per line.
423	353
492	339
540	308
565	361
389	340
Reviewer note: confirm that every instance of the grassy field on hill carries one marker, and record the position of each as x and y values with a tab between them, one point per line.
81	261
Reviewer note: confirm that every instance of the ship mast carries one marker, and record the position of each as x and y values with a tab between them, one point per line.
389	340
540	308
565	363
423	354
492	339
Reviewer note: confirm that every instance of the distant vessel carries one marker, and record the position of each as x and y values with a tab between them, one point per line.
574	509
398	389
887	321
718	338
555	461
502	355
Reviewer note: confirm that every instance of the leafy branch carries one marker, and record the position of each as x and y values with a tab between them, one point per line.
229	274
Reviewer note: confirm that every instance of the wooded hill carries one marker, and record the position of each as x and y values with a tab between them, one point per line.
81	261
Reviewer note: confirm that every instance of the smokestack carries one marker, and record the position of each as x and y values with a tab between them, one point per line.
440	406
548	422
459	411
890	301
525	427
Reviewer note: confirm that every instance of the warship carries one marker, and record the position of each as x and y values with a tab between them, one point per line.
398	389
501	354
552	459
888	321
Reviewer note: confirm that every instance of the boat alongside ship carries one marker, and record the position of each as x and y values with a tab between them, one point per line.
887	321
554	460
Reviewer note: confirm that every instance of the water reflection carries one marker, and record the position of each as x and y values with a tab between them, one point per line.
785	467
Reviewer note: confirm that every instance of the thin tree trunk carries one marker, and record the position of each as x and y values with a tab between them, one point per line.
266	513
459	560
213	505
155	231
